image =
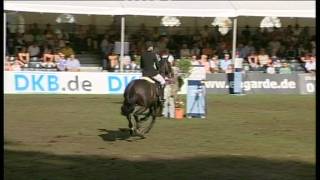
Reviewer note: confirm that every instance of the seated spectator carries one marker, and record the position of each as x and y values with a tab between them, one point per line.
155	35
207	50
34	50
28	38
48	29
277	65
270	69
291	52
113	60
67	50
72	64
105	63
195	60
61	43
247	49
204	61
48	59
263	58
8	66
126	60
19	42
24	56
56	56
285	69
225	62
195	49
229	69
305	58
311	65
61	62
185	51
48	56
253	60
13	65
214	64
243	51
274	46
134	65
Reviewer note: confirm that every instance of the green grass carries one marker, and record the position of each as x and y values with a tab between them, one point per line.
77	137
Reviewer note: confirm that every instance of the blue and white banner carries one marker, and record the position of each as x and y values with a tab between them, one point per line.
33	82
66	82
196	105
237	81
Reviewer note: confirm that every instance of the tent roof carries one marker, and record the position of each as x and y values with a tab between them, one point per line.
170	8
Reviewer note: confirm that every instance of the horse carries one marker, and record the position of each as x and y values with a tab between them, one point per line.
141	101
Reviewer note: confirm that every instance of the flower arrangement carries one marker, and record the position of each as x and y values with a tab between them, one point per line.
184	66
179	103
179	108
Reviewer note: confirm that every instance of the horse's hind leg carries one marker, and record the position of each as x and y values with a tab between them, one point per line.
153	114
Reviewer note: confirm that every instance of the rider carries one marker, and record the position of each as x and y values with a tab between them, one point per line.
149	66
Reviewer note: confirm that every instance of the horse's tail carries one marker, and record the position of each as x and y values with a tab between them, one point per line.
129	102
128	106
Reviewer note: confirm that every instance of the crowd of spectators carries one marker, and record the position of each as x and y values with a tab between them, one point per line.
41	48
281	49
262	50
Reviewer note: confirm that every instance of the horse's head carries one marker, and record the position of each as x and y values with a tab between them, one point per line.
165	69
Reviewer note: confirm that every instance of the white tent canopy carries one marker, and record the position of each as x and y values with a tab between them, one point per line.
170	8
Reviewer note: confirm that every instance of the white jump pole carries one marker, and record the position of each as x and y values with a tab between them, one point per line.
234	40
4	35
122	43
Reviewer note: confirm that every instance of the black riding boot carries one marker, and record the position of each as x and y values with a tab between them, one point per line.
161	89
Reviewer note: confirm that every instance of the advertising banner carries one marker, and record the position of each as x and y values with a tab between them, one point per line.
32	82
257	83
196	105
66	82
307	83
237	83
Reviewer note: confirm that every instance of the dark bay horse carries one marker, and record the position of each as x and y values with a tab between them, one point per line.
141	101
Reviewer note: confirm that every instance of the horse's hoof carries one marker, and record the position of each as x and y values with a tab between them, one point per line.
131	132
140	135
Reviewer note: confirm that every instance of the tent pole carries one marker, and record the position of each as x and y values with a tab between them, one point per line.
234	40
4	35
122	43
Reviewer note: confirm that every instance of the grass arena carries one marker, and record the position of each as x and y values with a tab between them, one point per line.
80	137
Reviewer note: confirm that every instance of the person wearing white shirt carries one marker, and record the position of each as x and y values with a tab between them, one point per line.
194	60
311	65
185	51
34	50
271	69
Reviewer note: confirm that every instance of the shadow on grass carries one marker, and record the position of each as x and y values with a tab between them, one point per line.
116	102
121	134
38	165
112	135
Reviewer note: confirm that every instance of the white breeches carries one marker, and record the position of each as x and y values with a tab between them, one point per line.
160	79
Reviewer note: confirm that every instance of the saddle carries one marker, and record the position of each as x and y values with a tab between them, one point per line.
148	79
159	90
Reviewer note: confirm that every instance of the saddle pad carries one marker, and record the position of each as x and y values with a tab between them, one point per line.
148	79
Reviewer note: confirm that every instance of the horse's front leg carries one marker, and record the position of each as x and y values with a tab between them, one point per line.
130	124
154	115
150	125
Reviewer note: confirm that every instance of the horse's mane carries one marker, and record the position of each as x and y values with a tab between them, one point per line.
165	68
